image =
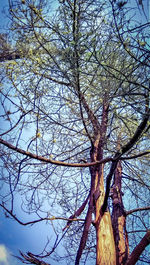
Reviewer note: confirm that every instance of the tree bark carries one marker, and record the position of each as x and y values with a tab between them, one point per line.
106	254
119	218
105	245
105	249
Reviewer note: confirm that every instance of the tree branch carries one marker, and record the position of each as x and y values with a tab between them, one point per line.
133	258
88	221
77	213
124	149
41	219
135	156
9	55
29	257
51	161
137	134
137	209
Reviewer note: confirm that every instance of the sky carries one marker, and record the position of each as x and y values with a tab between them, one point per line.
13	236
3	20
10	233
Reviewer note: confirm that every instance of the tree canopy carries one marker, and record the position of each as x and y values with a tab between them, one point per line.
74	96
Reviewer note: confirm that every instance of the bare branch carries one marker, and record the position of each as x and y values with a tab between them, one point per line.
29	258
41	219
118	155
54	162
137	210
133	258
135	156
77	213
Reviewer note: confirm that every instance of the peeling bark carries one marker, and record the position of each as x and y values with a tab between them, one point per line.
105	249
106	254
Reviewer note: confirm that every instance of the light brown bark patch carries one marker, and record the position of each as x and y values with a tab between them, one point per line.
121	244
106	254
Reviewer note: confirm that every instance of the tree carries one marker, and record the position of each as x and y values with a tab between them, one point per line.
76	109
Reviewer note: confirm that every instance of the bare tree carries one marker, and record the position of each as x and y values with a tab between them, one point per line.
75	109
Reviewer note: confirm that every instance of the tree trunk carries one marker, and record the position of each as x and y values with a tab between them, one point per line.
105	250
119	219
105	247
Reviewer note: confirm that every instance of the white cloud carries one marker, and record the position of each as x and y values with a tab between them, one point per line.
3	255
6	257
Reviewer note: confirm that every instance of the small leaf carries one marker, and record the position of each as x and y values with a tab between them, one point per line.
38	135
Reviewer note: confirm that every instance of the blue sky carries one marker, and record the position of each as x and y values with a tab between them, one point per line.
3	20
13	236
